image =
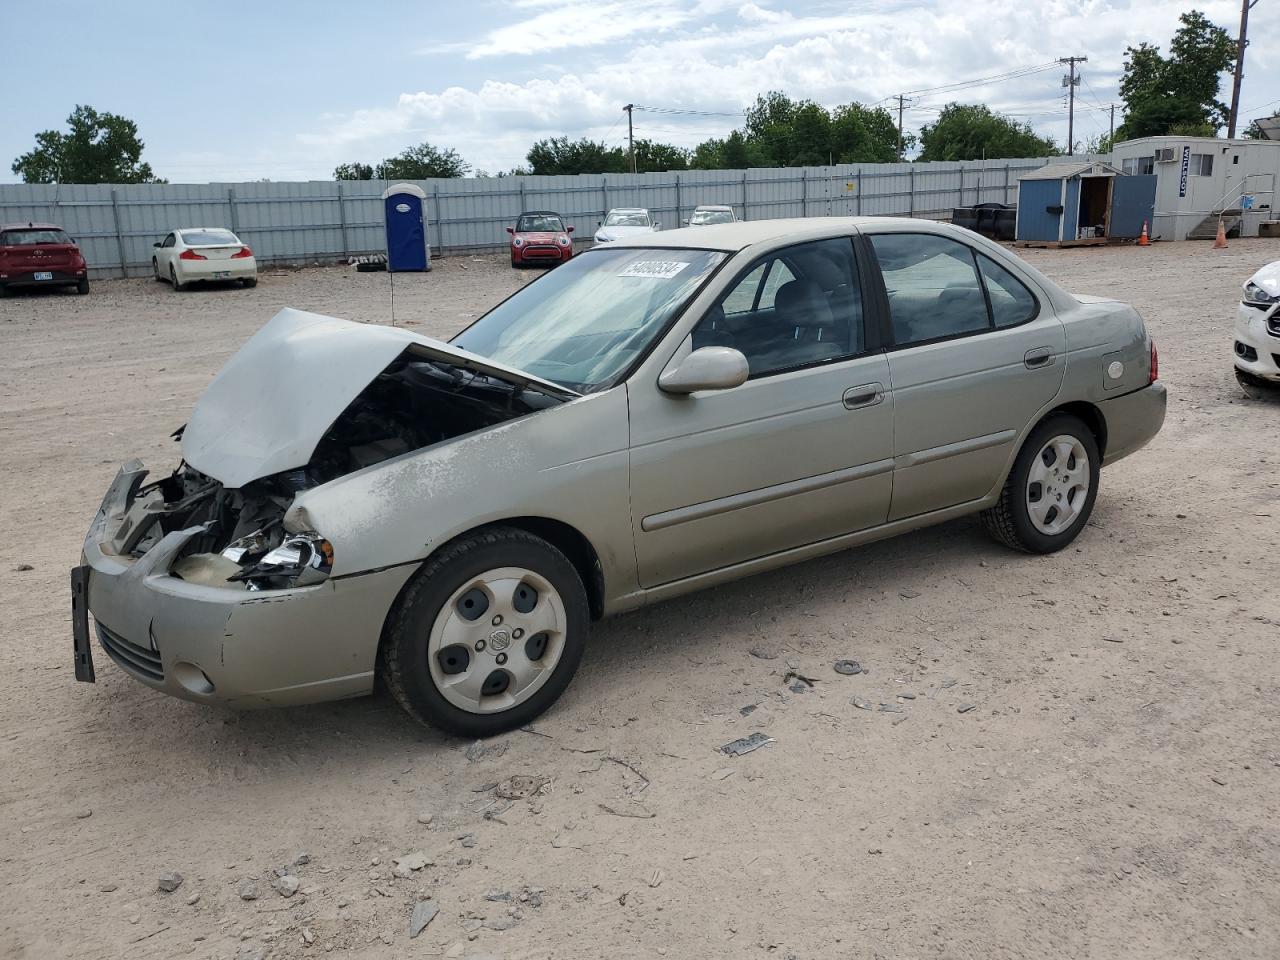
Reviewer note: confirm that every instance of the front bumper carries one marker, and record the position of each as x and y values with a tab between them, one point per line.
1257	341
227	644
1133	420
541	253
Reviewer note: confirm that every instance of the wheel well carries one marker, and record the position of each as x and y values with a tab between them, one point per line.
573	545
1092	417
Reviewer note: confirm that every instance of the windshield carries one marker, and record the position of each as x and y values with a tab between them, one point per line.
205	238
704	217
539	223
627	218
29	237
584	323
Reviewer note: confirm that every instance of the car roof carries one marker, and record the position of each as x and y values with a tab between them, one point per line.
540	213
741	234
29	226
185	229
628	209
714	206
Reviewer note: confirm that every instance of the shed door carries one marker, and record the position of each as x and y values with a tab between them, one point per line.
1133	200
406	236
1039	209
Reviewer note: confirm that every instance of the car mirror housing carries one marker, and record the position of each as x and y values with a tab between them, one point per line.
156	244
511	230
707	368
569	229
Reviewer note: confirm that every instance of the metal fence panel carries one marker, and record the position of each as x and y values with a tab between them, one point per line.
326	221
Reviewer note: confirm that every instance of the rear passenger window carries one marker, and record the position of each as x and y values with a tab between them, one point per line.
933	286
795	308
1011	302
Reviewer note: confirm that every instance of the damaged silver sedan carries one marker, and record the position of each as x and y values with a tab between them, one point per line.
656	416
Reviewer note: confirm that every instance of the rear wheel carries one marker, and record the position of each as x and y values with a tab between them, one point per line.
1049	495
250	281
173	280
82	287
487	635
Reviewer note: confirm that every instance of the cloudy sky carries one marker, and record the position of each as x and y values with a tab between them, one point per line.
287	90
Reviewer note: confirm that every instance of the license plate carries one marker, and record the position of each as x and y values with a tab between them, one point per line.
221	274
44	275
80	624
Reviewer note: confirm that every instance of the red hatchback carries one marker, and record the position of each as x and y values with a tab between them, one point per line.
40	255
540	236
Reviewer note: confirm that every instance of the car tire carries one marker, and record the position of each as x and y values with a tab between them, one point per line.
173	281
1256	388
82	287
1044	503
155	269
516	264
4	291
250	281
417	655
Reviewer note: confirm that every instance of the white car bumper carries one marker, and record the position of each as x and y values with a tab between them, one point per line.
237	269
1257	341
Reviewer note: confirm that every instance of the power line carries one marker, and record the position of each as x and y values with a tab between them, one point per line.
979	81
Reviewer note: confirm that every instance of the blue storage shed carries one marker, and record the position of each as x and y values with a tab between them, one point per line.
1082	202
405	207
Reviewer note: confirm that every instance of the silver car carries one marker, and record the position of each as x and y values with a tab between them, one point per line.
656	416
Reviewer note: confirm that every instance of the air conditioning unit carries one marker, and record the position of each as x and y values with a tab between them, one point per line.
1164	155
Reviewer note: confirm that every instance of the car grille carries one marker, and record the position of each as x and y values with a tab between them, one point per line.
549	252
129	657
1273	325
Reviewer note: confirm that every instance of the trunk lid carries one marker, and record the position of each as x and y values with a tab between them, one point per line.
43	256
219	252
269	407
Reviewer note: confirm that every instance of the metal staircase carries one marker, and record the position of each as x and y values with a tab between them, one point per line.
1207	229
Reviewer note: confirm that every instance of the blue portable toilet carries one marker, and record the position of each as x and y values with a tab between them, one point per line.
1082	202
405	207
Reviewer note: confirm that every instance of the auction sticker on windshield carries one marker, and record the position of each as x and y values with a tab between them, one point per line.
654	269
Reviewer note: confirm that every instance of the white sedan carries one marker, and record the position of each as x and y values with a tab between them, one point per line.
625	223
203	253
1257	340
708	213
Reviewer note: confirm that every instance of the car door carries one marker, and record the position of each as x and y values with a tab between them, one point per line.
164	256
974	356
800	452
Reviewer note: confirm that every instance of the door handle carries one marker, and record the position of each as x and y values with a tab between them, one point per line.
865	395
1038	357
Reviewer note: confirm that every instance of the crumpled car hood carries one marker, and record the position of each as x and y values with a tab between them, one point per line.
275	399
1268	278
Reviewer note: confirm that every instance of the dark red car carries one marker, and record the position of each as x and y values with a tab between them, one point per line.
540	236
40	255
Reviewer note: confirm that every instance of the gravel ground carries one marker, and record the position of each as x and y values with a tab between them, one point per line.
1112	792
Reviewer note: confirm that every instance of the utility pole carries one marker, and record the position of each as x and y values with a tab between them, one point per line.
631	138
1242	41
1071	81
1112	135
901	98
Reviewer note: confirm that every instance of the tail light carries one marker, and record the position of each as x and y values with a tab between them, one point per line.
1155	363
191	255
242	253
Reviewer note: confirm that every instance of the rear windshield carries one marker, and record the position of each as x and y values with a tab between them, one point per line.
204	238
27	238
539	223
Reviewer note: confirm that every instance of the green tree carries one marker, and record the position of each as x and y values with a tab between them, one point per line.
1178	93
422	163
353	171
99	148
865	135
652	156
560	155
973	131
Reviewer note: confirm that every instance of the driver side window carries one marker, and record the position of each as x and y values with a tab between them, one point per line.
795	308
168	241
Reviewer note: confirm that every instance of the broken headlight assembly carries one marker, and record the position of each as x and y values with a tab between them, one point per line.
300	560
1255	296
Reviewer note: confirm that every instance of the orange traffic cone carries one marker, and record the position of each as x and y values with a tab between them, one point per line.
1144	240
1220	242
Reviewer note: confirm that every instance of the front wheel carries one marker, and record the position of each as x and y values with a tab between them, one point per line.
487	635
1256	388
1049	495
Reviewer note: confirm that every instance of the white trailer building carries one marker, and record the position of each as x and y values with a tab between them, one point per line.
1202	179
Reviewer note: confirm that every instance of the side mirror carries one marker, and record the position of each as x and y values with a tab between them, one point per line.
708	368
684	223
599	223
511	230
569	229
156	244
